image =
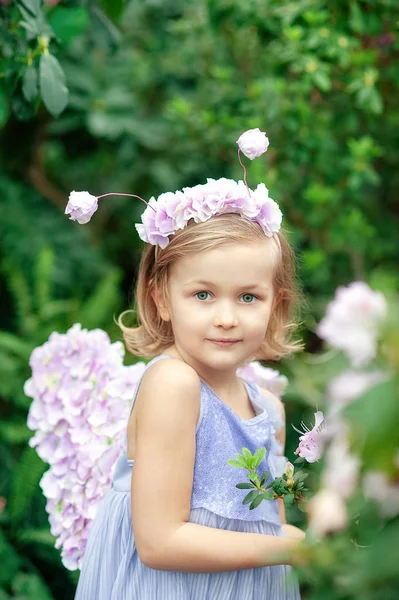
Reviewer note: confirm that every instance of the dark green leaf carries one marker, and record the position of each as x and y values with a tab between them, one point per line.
52	84
26	477
68	22
256	502
105	34
289	499
30	86
21	108
33	6
113	8
4	108
245	486
249	497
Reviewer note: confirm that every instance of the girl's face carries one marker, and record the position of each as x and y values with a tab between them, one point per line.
221	294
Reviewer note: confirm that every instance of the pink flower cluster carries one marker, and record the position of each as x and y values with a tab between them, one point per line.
173	210
81	395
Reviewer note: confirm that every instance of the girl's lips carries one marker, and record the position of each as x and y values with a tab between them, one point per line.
224	342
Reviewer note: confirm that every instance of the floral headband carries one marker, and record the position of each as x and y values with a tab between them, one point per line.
173	210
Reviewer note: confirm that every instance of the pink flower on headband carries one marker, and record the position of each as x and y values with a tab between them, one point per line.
253	143
81	206
172	212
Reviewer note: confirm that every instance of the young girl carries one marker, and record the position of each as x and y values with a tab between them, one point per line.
215	290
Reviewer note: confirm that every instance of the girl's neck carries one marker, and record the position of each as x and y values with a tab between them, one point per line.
225	383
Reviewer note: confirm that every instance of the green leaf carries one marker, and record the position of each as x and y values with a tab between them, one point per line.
300	476
30	87
15	433
105	34
33	6
43	276
249	497
245	486
259	456
29	586
15	345
10	561
322	81
268	495
246	453
113	8
235	463
103	301
256	502
4	107
69	22
25	482
289	499
41	536
52	85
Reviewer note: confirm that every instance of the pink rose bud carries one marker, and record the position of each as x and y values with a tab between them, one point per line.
81	206
253	143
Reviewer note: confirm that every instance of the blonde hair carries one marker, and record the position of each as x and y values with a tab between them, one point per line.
153	335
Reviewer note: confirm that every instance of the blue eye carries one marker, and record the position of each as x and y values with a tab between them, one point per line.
201	294
250	296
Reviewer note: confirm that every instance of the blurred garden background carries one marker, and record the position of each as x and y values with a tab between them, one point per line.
149	96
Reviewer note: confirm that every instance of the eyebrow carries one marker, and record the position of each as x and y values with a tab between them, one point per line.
250	286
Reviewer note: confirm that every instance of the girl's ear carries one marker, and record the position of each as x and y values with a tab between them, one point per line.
161	305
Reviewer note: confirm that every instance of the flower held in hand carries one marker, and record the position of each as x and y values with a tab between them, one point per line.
311	443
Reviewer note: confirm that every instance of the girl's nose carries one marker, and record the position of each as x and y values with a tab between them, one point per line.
225	317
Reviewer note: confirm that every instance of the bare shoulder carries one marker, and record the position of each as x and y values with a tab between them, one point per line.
169	384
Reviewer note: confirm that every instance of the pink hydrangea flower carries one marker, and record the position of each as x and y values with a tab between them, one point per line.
311	442
253	143
81	396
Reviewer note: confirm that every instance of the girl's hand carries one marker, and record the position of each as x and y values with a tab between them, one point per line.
294	532
297	536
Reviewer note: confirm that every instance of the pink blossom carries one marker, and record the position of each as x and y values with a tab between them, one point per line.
311	442
327	512
270	379
353	321
253	143
342	468
385	493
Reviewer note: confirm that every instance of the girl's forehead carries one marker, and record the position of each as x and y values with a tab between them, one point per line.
247	263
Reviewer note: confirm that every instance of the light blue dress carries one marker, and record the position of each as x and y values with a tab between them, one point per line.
112	569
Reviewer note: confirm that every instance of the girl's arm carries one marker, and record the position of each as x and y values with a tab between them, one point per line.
167	409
